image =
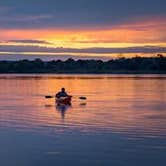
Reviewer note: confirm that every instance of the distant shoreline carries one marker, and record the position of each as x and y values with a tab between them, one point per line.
136	65
113	73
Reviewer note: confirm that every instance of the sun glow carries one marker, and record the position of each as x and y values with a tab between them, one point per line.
135	34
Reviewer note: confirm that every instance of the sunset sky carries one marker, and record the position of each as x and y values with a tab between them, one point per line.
93	28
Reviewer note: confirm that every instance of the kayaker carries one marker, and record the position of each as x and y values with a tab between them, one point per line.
62	93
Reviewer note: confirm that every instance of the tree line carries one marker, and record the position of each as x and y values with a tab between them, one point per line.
121	65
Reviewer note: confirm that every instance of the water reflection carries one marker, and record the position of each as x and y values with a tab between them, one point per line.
125	103
124	122
83	104
62	108
48	105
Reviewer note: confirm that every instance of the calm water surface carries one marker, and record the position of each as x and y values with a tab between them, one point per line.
122	123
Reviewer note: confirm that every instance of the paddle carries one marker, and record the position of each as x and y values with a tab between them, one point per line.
82	98
50	97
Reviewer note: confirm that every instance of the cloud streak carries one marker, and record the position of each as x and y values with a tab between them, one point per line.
144	49
29	41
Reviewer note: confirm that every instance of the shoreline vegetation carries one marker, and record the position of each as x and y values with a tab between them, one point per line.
135	65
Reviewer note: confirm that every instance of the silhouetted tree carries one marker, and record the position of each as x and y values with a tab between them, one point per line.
122	65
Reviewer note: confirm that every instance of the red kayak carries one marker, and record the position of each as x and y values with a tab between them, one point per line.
64	100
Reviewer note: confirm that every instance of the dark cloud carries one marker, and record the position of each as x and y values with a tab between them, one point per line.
143	49
46	57
75	13
29	41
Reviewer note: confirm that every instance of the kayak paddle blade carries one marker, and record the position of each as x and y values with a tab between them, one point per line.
82	98
48	97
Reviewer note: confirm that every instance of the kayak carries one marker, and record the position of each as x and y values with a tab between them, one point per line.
64	100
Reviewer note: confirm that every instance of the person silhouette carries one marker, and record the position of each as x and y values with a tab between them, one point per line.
62	93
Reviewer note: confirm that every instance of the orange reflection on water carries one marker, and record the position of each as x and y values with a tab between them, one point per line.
125	104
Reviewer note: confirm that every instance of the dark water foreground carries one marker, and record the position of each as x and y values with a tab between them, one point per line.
121	124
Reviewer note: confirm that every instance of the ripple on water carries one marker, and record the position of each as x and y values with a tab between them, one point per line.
131	106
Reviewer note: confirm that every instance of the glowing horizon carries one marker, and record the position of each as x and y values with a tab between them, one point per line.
106	29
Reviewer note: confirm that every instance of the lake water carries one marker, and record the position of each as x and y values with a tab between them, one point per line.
122	122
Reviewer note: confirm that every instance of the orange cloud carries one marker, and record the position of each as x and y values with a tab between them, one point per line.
140	32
